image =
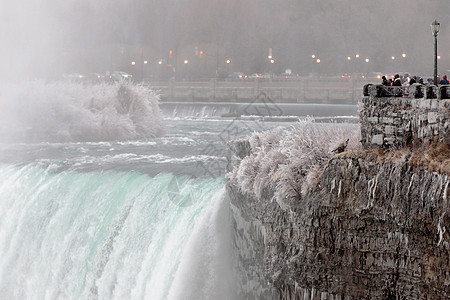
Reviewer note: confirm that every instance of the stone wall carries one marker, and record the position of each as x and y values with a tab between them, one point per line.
404	117
371	230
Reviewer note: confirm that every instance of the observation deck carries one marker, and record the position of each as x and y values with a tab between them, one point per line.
400	116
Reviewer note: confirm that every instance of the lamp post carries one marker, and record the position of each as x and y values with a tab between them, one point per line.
435	29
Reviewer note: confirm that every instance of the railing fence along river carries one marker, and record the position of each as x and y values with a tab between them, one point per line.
303	90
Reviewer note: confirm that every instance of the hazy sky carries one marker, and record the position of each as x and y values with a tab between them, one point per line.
51	37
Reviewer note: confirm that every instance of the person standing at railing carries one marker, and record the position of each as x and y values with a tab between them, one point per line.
397	80
384	80
444	80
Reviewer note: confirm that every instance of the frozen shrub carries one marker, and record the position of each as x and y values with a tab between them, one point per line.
291	161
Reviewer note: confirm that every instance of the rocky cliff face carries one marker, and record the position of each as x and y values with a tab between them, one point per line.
376	227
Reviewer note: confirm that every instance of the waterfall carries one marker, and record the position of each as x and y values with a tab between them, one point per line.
112	235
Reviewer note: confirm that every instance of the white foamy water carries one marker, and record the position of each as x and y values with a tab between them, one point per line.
64	111
105	235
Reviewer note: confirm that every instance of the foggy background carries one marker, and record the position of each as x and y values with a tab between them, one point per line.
154	38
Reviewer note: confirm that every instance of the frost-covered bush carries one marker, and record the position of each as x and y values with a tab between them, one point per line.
67	111
291	162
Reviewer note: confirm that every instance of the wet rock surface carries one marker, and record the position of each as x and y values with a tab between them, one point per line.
370	230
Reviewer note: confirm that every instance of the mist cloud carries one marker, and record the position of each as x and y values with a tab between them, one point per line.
48	38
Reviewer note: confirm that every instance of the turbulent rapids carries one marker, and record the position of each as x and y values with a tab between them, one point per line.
64	111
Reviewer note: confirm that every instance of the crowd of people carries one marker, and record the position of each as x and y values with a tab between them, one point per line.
407	80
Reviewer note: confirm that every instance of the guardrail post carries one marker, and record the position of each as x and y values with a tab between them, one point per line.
256	87
431	92
301	92
366	90
352	86
444	92
415	91
212	89
377	91
171	89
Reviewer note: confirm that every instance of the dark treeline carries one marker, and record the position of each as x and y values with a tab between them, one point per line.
95	36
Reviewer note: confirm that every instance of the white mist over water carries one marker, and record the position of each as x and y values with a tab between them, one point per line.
111	235
66	111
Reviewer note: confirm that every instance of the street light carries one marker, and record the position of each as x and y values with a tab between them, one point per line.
435	29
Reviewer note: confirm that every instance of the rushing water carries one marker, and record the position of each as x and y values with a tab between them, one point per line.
119	220
130	219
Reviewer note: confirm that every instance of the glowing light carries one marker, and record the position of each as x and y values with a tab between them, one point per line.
435	27
228	61
349	58
133	63
313	56
393	57
145	62
357	55
367	60
439	57
404	55
159	62
318	60
269	57
186	61
272	61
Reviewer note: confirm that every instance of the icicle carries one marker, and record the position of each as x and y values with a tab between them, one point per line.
441	230
340	188
333	185
372	186
411	182
445	192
